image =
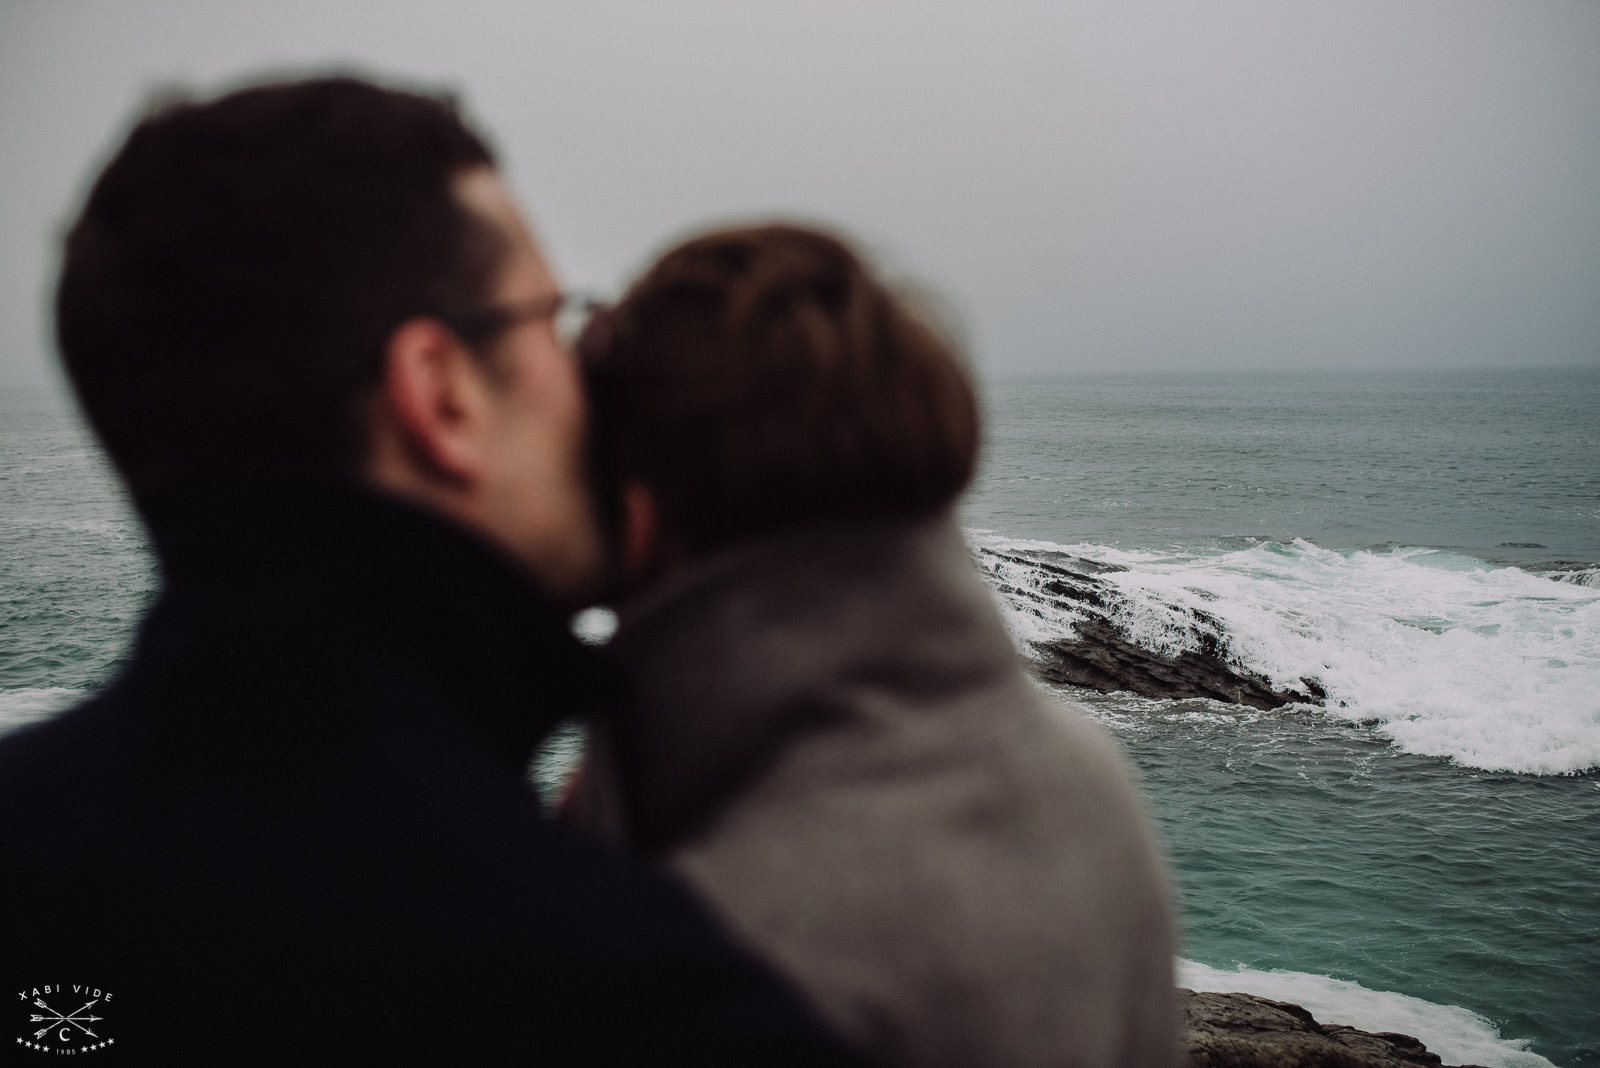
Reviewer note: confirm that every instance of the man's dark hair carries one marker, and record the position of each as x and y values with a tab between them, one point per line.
227	291
757	380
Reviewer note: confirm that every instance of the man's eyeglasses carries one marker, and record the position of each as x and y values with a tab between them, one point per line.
568	312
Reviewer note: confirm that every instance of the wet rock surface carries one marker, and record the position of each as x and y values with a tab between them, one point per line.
1245	1031
1101	658
1194	659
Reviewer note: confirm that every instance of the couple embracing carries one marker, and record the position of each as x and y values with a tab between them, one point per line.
823	818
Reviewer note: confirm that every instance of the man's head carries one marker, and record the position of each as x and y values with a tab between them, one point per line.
758	380
298	280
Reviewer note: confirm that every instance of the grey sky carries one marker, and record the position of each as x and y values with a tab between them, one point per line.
1109	184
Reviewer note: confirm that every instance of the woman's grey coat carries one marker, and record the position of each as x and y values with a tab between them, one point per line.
835	742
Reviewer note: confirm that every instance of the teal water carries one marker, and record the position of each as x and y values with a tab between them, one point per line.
1319	848
1427	544
75	570
1501	464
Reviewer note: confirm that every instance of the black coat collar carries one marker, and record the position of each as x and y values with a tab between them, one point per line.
262	570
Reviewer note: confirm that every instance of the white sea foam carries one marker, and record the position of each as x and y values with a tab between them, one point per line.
1494	667
21	707
1457	1035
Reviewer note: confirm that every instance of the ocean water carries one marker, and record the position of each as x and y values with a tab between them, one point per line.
1419	854
1422	853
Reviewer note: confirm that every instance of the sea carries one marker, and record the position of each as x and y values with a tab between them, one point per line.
1419	852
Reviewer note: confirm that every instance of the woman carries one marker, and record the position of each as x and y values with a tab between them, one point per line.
832	737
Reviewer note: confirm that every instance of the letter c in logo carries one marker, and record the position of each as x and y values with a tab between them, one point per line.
65	1035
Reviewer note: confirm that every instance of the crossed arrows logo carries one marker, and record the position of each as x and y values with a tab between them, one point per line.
76	1019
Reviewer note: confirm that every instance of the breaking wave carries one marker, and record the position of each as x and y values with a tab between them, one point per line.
1455	1034
1493	667
18	708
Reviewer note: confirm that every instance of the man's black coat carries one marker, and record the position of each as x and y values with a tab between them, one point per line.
295	829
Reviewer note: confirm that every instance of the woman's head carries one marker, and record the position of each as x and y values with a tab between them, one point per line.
761	379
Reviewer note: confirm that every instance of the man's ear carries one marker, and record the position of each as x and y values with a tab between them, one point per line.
436	395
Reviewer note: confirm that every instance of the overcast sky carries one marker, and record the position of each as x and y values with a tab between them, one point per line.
1108	184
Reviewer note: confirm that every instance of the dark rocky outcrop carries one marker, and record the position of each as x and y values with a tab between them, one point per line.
1101	658
1245	1031
1099	653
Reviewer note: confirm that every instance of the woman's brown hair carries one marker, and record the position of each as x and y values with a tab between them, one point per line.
761	379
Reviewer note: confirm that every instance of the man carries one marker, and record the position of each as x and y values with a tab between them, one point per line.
314	335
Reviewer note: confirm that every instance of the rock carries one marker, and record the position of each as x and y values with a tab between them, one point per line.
1245	1031
1102	658
1099	653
